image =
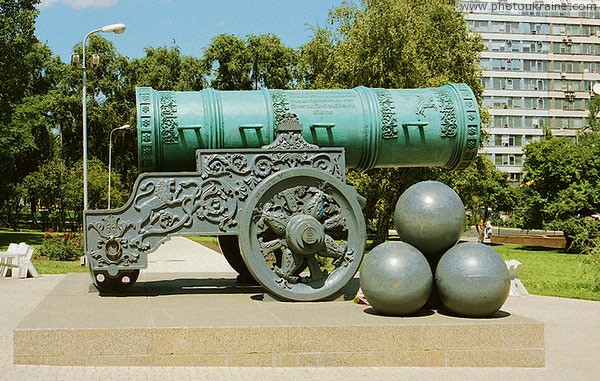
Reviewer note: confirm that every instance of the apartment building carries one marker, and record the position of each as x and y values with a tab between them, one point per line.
539	70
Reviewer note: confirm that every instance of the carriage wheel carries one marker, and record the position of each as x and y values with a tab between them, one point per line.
303	234
230	248
114	284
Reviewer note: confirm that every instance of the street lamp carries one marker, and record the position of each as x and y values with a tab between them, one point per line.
124	127
113	28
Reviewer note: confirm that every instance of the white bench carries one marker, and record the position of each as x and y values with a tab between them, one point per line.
17	259
516	286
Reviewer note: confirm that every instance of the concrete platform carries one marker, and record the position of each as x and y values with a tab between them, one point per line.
181	319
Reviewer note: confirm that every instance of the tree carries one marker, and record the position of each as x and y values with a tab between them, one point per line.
481	188
316	68
165	68
46	190
20	73
392	44
227	60
395	44
563	181
272	62
594	113
257	62
17	40
382	188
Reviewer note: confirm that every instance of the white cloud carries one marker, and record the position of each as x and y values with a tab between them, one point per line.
79	4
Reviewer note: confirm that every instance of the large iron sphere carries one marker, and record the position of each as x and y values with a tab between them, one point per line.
396	279
430	216
472	280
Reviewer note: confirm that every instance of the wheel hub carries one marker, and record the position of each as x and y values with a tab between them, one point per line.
304	234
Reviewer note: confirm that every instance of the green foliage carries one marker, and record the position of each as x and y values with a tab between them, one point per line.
581	234
481	187
594	116
165	68
272	63
394	44
258	62
47	188
563	185
57	192
17	41
228	61
382	188
97	186
62	247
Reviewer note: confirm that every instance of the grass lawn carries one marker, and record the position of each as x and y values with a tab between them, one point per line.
208	241
46	266
32	238
550	272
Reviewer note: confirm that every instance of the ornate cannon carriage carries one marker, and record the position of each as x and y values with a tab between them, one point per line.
265	172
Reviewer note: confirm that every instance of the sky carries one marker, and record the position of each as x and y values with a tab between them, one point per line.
189	24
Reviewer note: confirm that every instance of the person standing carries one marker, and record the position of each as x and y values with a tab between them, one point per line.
480	230
488	229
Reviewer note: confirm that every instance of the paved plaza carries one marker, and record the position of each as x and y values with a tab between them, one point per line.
572	334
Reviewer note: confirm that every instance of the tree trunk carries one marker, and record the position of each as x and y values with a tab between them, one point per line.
34	214
382	233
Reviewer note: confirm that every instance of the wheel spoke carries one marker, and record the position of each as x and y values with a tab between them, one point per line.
290	264
267	248
316	272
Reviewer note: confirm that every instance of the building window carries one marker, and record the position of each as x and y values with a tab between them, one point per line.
515	176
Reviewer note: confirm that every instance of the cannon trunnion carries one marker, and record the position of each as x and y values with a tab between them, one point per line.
262	179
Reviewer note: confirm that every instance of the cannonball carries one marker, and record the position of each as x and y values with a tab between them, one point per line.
396	279
472	280
430	216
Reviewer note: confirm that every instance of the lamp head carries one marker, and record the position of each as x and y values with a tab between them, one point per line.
75	60
95	61
114	28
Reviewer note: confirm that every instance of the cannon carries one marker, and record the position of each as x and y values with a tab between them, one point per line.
265	172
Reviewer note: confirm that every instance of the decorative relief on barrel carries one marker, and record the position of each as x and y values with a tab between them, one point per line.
472	119
389	123
440	102
168	118
448	113
145	130
281	105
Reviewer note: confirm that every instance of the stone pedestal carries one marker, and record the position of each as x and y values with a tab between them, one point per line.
205	320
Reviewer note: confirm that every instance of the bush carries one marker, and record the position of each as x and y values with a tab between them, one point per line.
62	247
582	235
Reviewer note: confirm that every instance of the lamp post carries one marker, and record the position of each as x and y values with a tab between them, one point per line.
113	28
124	127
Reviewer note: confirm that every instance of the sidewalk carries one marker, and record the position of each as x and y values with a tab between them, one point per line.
190	257
572	330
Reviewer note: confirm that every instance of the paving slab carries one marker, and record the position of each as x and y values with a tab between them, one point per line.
180	255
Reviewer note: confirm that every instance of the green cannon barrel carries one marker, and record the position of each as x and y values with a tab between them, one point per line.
376	127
